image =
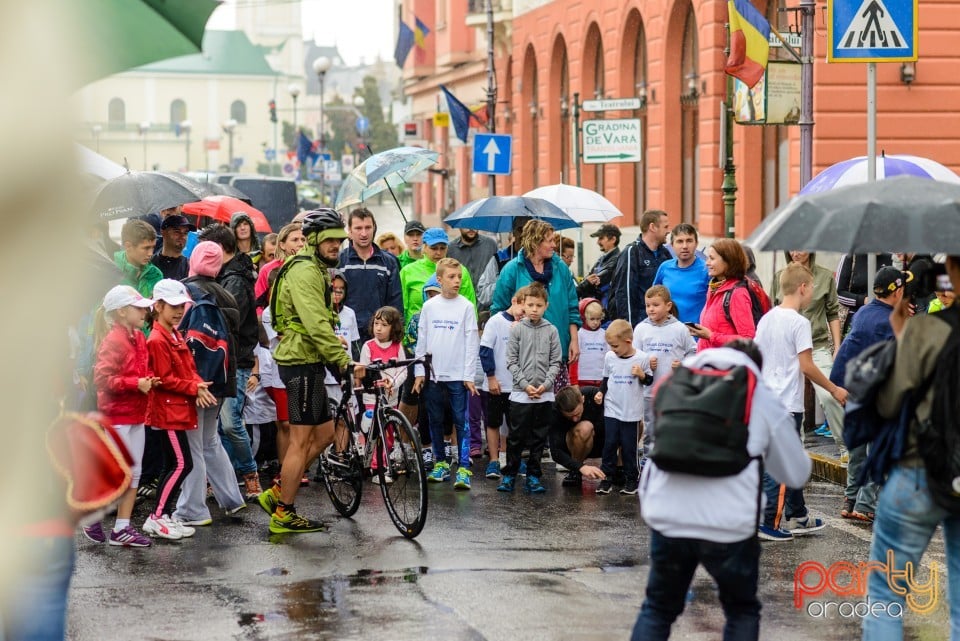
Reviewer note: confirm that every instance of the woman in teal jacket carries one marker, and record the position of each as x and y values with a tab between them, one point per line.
538	260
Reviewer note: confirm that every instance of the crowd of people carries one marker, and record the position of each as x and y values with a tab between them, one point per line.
248	338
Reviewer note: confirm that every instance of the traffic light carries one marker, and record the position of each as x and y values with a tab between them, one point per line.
273	111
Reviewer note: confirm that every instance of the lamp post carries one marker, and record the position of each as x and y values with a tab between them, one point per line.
362	125
228	127
95	130
144	128
294	91
321	65
186	126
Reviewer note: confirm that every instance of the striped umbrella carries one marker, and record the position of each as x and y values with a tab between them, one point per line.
854	171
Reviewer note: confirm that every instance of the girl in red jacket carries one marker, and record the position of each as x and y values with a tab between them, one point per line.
172	404
123	379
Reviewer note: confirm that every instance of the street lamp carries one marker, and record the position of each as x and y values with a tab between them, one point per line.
186	126
95	130
228	127
321	65
294	91
144	128
358	103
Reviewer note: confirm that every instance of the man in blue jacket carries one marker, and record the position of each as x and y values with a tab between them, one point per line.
871	325
637	266
373	275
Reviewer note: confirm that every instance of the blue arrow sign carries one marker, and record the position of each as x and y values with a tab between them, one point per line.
363	124
872	31
492	154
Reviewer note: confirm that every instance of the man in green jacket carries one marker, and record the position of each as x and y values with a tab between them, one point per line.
303	317
415	275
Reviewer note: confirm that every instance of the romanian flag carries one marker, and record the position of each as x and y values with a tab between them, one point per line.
420	32
749	42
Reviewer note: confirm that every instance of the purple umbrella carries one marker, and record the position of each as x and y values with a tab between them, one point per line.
854	171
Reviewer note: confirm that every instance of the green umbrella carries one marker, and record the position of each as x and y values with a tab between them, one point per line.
124	34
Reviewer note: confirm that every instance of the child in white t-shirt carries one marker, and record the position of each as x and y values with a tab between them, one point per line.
666	341
593	344
785	340
347	331
625	369
497	382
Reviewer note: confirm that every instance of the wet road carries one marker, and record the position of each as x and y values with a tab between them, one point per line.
564	565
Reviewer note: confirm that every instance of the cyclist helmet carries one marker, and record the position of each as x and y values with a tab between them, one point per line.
321	220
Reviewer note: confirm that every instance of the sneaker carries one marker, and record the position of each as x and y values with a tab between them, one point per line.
572	479
439	473
268	500
534	486
523	468
95	533
427	454
806	525
507	484
233	511
605	487
147	490
162	528
387	479
293	523
847	510
866	517
185	530
493	470
450	451
629	488
195	522
251	484
765	533
463	479
128	537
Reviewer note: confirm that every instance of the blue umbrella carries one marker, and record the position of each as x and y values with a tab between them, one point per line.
496	213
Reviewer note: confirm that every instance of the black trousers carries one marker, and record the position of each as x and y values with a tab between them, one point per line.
529	427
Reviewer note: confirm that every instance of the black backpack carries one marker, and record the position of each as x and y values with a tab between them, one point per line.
759	301
701	421
938	437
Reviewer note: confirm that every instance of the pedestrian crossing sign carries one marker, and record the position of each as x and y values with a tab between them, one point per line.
872	30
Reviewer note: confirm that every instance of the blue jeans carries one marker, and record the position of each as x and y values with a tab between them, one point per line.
864	496
435	396
906	519
236	440
794	506
734	566
37	609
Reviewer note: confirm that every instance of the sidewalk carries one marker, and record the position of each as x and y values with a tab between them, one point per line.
826	460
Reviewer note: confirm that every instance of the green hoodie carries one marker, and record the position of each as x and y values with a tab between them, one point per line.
142	280
415	275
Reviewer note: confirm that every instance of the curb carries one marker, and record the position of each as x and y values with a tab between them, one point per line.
827	468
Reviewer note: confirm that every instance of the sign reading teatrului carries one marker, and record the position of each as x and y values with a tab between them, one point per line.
606	141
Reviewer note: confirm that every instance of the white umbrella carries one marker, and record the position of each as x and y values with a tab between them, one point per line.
94	164
583	205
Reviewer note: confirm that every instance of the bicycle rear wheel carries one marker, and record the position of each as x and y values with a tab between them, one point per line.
342	466
406	496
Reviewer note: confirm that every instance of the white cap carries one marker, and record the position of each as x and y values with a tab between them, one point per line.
123	295
172	292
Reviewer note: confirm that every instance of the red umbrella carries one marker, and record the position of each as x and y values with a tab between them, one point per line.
223	208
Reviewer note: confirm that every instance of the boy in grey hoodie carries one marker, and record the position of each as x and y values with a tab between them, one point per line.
533	358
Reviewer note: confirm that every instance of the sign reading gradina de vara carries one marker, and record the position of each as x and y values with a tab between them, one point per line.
611	141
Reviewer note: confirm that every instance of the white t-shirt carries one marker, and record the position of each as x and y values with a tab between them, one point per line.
668	341
496	335
624	397
593	347
269	374
448	331
782	334
347	329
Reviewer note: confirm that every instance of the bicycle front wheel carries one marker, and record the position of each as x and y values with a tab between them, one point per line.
406	496
342	466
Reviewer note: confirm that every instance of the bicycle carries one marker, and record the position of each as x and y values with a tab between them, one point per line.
394	443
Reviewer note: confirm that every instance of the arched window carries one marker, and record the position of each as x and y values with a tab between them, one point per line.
178	113
238	111
529	116
689	142
116	114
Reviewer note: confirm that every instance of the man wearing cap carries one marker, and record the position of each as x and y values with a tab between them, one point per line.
871	325
597	282
473	250
413	237
170	259
415	275
372	275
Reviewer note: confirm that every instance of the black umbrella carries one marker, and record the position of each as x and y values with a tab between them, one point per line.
901	214
137	193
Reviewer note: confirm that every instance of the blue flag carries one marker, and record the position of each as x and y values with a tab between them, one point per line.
405	41
460	114
306	150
